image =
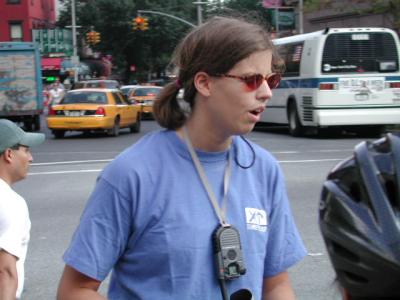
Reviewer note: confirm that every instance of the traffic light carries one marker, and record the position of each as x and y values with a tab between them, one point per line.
95	37
144	25
137	23
89	37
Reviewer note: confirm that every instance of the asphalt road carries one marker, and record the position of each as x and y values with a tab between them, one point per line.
64	172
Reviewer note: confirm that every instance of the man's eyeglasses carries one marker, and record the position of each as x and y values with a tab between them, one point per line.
254	81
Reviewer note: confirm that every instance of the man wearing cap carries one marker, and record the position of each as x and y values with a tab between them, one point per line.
15	224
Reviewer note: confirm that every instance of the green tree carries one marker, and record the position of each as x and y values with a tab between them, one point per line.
150	50
251	10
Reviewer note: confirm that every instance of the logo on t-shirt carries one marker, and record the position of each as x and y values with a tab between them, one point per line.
256	219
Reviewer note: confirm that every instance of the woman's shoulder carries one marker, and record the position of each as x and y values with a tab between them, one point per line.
149	149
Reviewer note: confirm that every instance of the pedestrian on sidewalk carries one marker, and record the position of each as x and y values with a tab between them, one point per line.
15	225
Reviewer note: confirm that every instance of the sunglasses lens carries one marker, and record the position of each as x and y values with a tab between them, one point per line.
273	80
253	81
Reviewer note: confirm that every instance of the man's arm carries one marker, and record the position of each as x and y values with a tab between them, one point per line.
278	287
76	286
8	276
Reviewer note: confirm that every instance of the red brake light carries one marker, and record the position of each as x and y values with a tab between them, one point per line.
51	111
100	111
394	85
326	86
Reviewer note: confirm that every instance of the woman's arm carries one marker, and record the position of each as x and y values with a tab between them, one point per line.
76	286
278	287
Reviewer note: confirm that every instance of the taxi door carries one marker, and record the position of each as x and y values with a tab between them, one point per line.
126	111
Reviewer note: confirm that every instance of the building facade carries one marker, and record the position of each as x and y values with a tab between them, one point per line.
19	17
346	13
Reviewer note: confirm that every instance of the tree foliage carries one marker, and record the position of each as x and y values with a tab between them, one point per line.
150	51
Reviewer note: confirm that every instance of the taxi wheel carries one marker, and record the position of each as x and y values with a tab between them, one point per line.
114	131
136	126
58	134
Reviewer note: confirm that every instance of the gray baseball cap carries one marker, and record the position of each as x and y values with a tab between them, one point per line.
11	134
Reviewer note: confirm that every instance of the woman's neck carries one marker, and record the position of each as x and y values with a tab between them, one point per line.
204	139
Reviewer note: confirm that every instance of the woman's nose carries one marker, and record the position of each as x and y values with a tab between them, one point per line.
264	92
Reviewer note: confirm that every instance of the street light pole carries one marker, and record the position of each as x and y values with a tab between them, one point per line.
301	29
75	58
199	12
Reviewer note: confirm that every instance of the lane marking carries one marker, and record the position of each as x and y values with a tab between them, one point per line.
64	172
313	151
71	162
315	254
309	160
107	160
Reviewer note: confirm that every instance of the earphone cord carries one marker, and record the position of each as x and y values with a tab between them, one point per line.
253	152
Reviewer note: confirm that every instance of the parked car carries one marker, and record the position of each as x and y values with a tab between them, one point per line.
145	96
126	89
93	110
102	83
78	85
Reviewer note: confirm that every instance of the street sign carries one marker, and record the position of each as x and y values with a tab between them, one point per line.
286	18
53	41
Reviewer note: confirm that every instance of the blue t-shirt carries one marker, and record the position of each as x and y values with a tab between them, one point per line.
150	221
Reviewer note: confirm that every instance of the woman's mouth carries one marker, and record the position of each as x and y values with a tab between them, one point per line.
256	113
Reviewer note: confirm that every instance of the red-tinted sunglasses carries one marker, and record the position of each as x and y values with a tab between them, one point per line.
254	81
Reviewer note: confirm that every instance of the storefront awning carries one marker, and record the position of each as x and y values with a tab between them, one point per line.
51	63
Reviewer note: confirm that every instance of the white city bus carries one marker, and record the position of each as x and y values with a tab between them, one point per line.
344	77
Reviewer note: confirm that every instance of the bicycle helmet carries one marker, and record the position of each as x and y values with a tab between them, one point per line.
359	217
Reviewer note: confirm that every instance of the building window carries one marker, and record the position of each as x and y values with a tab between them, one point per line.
13	1
15	31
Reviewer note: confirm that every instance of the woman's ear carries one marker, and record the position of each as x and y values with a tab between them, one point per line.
202	83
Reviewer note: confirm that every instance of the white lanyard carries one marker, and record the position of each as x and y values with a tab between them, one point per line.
221	213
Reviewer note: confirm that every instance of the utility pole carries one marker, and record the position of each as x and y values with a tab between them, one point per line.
277	19
199	12
75	57
301	29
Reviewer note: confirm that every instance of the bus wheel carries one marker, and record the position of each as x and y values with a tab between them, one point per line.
295	127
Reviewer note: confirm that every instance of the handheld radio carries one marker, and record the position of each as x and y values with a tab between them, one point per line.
228	253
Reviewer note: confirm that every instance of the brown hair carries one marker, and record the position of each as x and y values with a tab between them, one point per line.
214	47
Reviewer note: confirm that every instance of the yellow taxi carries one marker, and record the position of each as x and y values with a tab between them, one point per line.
92	110
145	96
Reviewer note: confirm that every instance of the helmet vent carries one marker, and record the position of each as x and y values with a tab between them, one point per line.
355	278
355	191
345	253
391	193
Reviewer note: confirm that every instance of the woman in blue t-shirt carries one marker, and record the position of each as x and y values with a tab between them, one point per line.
194	211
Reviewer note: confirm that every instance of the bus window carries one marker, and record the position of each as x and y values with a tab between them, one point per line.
291	54
360	52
